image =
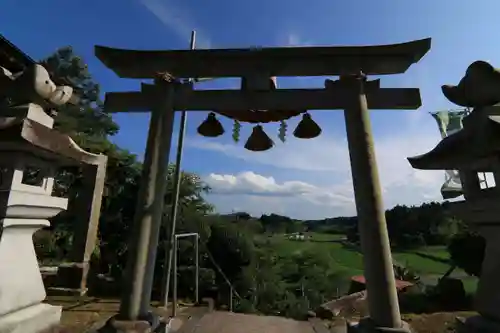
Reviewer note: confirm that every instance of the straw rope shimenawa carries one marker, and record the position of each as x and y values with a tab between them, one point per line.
259	140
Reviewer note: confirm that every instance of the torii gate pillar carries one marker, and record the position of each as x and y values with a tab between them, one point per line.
382	297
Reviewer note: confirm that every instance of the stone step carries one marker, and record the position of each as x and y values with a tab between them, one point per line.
229	322
59	291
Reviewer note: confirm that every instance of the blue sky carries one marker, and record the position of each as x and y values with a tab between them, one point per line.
303	179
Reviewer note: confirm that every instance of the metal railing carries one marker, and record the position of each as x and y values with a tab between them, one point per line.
197	269
232	291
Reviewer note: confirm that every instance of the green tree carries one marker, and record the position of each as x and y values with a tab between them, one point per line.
270	295
412	227
313	276
467	252
231	249
89	126
275	223
88	117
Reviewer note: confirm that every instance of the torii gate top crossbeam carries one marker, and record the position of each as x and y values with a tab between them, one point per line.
282	61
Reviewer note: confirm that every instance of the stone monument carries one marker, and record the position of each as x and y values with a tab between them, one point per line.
31	152
72	276
474	150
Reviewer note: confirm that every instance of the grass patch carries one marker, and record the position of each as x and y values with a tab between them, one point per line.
419	264
351	260
345	259
439	251
470	284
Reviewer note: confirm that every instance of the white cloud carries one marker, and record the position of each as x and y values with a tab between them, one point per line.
331	154
177	18
258	194
293	39
318	182
250	183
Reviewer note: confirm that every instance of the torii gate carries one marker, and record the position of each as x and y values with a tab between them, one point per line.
351	93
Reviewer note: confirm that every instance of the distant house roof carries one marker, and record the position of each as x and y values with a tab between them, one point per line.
400	285
12	58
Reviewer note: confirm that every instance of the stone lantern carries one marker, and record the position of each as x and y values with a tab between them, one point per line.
476	150
30	153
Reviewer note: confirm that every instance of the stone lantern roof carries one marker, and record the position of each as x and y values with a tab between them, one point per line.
476	146
30	131
12	58
15	60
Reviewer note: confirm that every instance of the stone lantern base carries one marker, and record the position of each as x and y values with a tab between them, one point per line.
35	318
366	325
21	287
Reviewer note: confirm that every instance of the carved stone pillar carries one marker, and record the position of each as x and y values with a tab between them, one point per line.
487	295
72	276
488	290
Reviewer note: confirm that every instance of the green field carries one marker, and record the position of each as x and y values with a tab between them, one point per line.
419	264
428	262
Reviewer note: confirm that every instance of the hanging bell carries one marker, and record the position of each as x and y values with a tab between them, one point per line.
307	128
258	140
211	127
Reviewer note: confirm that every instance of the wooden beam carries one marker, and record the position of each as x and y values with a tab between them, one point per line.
281	99
279	61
